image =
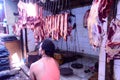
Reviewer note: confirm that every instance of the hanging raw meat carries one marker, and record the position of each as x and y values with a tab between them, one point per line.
85	18
98	12
113	43
58	27
61	24
21	6
46	27
17	28
55	28
104	9
94	25
65	26
39	31
52	25
32	10
49	26
22	9
40	11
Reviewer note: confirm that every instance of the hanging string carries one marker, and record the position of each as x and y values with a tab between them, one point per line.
69	5
115	8
51	6
45	11
54	7
75	33
58	6
66	4
47	8
62	5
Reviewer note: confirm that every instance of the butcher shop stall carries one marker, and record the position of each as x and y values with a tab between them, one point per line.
86	35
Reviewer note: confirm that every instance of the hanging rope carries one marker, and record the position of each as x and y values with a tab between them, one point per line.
115	8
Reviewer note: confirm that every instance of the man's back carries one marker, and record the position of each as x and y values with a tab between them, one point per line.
45	69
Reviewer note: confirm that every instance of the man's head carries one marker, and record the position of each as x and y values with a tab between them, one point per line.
47	48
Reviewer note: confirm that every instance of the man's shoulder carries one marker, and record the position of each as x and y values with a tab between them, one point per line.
37	63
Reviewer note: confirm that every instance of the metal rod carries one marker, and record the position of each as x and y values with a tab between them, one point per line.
62	5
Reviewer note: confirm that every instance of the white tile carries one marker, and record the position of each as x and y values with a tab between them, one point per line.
117	62
117	72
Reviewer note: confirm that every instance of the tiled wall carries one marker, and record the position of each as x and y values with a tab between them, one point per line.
31	41
79	41
10	8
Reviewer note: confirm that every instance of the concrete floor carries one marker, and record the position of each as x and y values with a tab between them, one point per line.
79	74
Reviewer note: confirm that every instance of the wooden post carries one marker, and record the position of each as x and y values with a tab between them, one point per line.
22	43
26	41
102	55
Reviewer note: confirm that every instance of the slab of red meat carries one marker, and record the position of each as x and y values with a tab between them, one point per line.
85	18
94	25
61	24
21	6
113	43
104	9
56	31
98	12
17	29
65	26
58	27
22	9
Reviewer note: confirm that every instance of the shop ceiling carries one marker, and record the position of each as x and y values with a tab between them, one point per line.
65	4
60	4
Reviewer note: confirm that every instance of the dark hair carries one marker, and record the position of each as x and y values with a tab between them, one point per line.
49	47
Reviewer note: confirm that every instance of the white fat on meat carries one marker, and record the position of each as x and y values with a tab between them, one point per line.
116	36
22	11
21	6
17	29
98	13
32	10
113	43
93	23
